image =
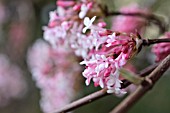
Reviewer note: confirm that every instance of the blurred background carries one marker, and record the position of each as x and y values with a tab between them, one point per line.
21	24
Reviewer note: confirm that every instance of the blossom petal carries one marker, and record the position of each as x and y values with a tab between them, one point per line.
86	21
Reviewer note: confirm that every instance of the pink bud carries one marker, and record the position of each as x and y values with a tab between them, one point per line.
102	24
65	3
90	5
77	7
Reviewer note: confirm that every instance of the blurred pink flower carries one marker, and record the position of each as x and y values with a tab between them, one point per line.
55	72
162	50
129	23
12	83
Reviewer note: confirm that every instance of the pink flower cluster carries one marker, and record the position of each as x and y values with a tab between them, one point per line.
55	73
104	51
12	83
111	53
162	50
129	23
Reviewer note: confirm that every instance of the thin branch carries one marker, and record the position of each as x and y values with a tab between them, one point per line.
83	101
149	82
99	94
147	42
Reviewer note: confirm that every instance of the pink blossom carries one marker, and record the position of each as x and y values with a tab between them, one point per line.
162	50
98	66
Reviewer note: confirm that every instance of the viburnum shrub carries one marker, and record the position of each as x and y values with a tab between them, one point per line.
77	31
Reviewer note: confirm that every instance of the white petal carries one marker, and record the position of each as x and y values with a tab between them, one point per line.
98	56
123	92
84	7
87	82
93	19
83	62
106	65
101	67
84	29
84	53
82	15
110	82
101	83
110	91
108	45
86	21
114	35
95	79
117	84
97	70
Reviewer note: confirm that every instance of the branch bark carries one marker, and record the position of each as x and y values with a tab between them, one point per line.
83	101
147	84
147	42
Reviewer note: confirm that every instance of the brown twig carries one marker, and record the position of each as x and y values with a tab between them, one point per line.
99	94
83	101
147	42
149	82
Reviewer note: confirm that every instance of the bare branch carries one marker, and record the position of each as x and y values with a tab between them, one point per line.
147	42
149	82
83	101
